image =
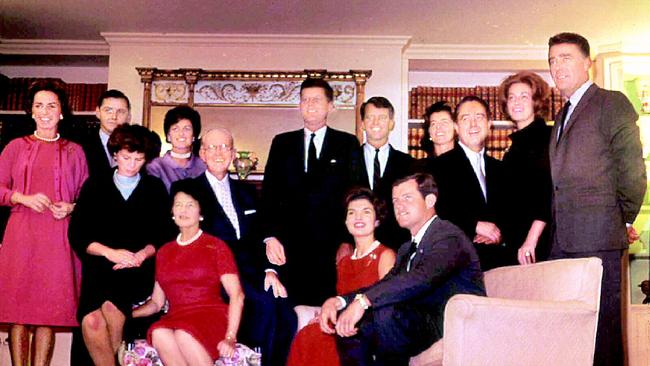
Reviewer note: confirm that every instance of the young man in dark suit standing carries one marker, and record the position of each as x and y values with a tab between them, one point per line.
402	314
382	164
306	176
113	109
598	178
470	185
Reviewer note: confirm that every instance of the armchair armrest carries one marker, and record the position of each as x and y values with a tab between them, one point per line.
493	331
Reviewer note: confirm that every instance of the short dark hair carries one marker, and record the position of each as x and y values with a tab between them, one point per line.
133	138
572	38
55	86
378	102
318	83
190	188
426	184
441	106
362	193
175	115
541	92
471	98
113	93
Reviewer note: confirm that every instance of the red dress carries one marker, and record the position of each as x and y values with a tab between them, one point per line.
190	276
313	347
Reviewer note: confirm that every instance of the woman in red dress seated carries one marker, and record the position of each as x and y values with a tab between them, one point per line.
190	273
369	262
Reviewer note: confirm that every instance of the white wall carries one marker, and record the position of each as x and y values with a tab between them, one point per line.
69	74
382	55
463	79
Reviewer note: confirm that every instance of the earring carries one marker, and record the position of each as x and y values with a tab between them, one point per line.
61	116
173	217
33	116
430	138
200	218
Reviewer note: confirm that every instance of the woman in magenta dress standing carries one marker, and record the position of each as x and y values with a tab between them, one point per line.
40	178
369	262
190	273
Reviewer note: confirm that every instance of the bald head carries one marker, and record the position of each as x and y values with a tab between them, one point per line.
217	151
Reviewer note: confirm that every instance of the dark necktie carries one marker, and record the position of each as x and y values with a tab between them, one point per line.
409	257
565	111
376	172
311	155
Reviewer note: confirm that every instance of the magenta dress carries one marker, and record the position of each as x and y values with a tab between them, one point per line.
39	272
190	276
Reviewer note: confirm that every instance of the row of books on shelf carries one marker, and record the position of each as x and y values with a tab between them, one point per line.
81	97
421	97
496	144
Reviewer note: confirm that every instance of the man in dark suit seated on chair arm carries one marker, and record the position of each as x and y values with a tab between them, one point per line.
402	315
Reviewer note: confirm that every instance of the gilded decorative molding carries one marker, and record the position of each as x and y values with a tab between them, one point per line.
166	92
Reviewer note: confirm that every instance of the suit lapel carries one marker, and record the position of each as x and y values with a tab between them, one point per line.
363	180
235	194
465	167
389	171
216	208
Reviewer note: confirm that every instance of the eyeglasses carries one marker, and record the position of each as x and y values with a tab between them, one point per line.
118	111
220	147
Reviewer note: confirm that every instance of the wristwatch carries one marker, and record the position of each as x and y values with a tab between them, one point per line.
361	298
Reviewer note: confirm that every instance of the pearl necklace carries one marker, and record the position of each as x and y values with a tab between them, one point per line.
190	240
179	155
123	185
372	247
58	136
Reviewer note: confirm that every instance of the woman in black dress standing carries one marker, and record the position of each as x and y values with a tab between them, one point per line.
118	223
524	98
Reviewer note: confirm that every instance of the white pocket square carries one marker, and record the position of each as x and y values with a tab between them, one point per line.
248	212
333	161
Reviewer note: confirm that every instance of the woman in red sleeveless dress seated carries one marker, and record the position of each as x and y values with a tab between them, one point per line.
190	273
369	262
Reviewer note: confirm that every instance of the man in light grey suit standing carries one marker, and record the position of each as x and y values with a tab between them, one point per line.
598	179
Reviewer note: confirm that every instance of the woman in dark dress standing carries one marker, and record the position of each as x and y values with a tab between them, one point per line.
524	98
118	223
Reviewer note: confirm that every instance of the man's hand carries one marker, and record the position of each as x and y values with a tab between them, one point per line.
271	280
487	233
632	235
345	250
275	252
328	315
347	322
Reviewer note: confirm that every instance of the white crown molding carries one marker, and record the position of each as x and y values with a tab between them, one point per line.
201	39
623	47
53	47
475	52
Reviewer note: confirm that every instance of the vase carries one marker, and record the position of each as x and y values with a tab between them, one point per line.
245	162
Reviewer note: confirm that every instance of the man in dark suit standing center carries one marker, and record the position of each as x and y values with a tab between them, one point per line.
598	180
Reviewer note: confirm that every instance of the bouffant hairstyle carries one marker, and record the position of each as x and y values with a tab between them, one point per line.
541	92
52	85
441	106
362	193
175	115
133	138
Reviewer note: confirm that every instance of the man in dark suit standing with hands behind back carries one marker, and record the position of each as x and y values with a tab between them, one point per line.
598	180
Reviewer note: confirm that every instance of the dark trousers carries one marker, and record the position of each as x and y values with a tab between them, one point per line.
268	323
390	336
609	336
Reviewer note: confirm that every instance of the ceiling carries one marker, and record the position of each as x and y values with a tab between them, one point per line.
504	22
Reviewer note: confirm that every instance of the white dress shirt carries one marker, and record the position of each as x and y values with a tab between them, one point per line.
221	189
477	159
369	156
318	142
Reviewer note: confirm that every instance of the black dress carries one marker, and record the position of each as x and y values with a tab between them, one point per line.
528	180
102	215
